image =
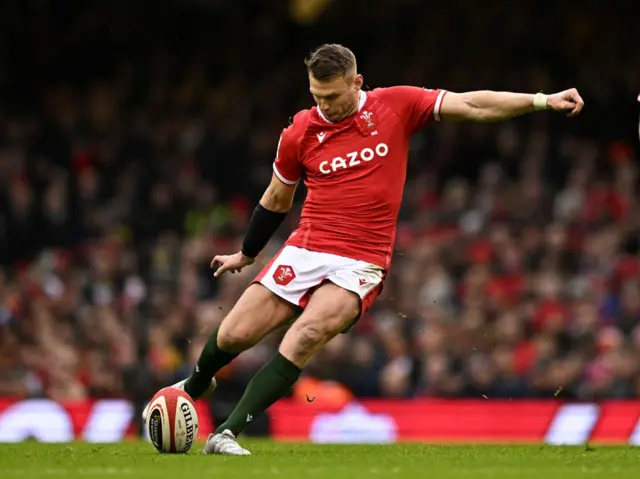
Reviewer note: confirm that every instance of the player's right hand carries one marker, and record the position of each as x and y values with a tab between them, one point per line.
234	262
568	101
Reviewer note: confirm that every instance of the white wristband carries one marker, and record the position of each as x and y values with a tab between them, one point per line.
540	102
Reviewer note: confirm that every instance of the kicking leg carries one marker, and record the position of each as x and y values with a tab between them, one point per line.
257	313
330	310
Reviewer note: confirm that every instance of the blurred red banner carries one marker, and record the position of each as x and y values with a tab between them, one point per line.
379	421
458	421
99	421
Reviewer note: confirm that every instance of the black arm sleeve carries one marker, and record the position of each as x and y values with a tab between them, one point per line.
262	225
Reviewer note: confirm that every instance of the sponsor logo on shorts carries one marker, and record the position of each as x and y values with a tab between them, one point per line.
369	279
283	275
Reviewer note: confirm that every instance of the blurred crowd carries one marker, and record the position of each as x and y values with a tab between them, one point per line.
136	138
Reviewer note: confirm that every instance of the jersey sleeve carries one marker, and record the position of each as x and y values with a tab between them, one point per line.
417	106
287	166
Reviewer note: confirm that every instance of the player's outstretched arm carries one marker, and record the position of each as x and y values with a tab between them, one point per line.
492	106
266	219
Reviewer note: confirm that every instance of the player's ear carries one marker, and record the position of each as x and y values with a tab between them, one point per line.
358	81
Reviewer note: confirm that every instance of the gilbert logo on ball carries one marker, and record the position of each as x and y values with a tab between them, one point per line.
172	421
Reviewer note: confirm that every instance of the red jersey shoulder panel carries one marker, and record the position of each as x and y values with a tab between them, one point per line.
417	107
287	165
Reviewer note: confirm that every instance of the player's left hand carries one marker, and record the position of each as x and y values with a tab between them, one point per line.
233	263
568	101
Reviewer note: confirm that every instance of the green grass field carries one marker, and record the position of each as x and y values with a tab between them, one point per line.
140	460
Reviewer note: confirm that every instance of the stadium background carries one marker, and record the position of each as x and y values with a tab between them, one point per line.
135	138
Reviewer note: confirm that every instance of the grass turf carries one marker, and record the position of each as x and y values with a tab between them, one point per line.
140	460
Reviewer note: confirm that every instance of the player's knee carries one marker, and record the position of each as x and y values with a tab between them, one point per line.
313	333
310	334
306	337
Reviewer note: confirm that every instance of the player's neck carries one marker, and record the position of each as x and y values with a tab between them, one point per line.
352	111
355	107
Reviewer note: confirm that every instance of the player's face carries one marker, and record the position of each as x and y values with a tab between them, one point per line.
336	98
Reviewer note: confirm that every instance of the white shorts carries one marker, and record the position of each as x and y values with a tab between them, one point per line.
294	274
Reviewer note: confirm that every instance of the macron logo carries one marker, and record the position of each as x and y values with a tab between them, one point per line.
321	136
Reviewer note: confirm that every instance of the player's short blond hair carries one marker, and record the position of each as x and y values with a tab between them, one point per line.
329	61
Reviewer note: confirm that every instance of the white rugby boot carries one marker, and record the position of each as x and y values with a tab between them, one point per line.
180	385
224	443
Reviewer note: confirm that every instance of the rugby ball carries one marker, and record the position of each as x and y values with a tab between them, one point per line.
172	421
